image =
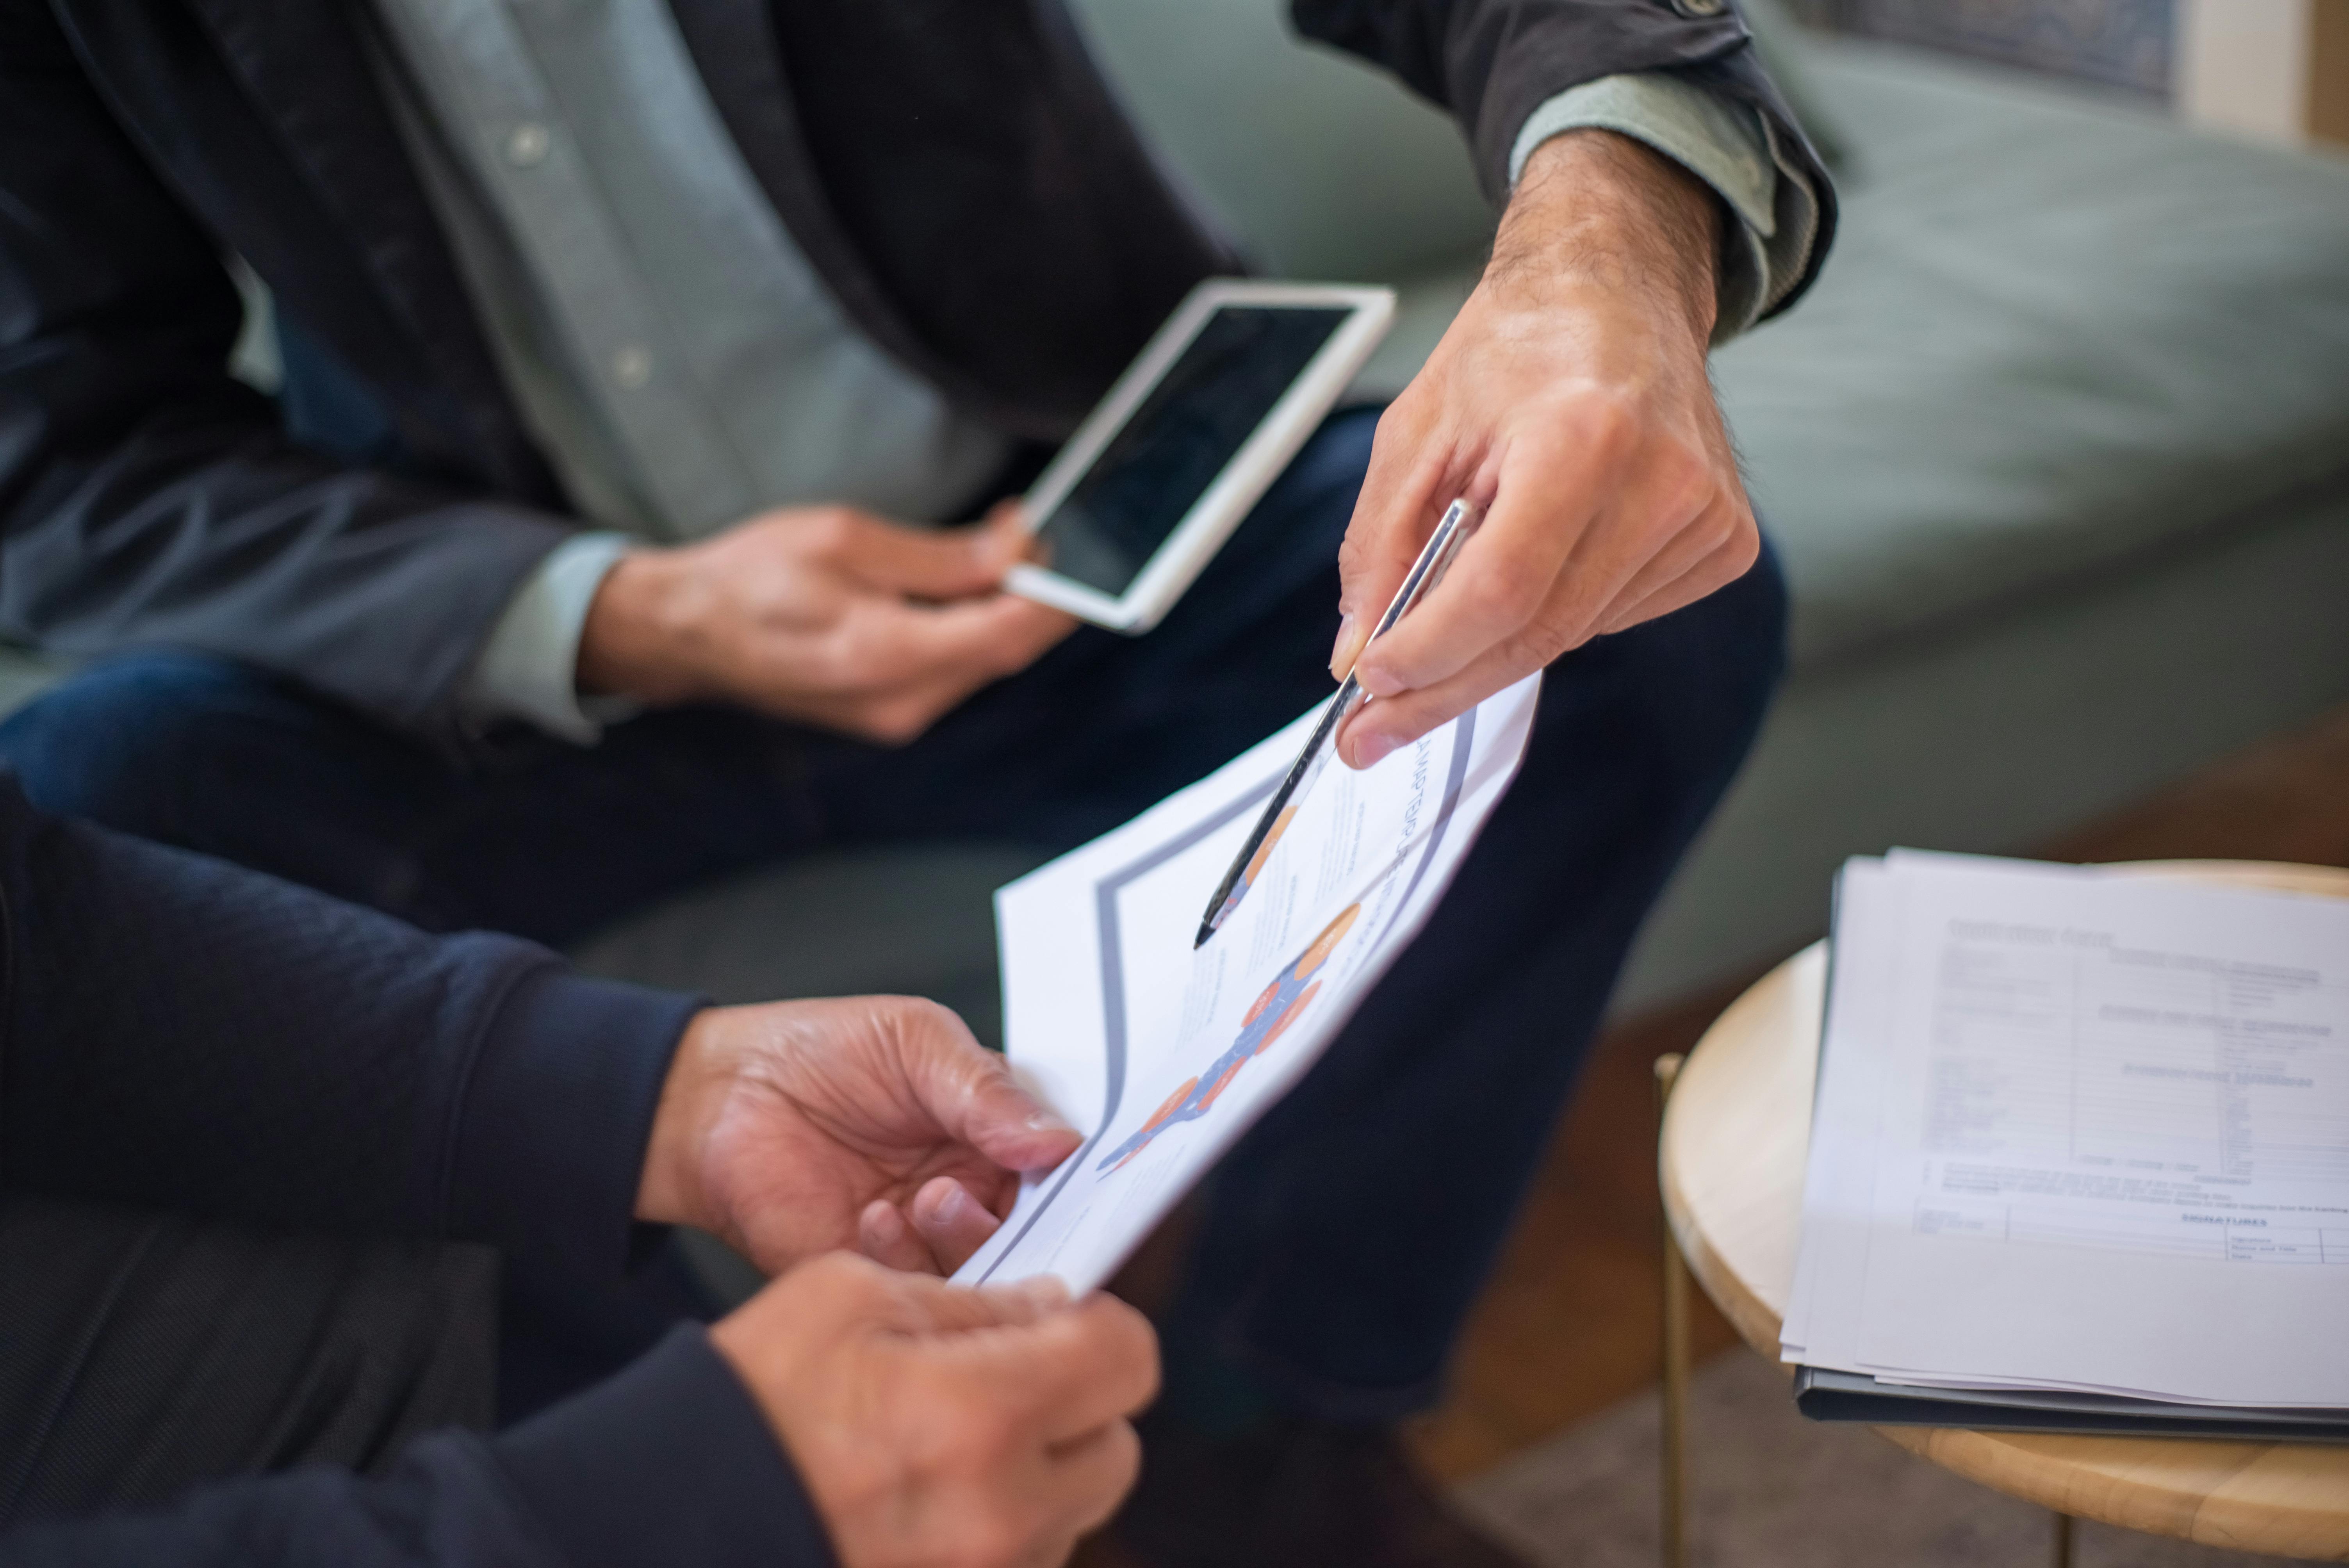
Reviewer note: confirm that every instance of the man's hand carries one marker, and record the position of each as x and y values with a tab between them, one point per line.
795	1127
1570	397
941	1426
825	614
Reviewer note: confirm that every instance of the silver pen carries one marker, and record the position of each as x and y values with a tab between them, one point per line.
1459	521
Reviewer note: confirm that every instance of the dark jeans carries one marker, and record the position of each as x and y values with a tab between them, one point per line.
143	1354
1347	1235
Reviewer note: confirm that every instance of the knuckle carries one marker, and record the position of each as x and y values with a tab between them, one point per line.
836	660
897	723
832	529
1685	483
1741	551
1739	537
859	654
959	1431
1605	423
1549	635
918	1017
993	1539
1125	1459
1401	421
831	1269
842	1277
986	1440
1009	655
921	1012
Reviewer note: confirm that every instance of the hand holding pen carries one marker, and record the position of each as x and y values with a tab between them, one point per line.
1435	557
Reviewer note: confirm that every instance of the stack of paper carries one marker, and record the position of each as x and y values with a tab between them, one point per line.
1168	1055
2080	1154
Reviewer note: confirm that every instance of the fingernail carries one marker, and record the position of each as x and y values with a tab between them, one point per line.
1340	650
1379	682
1044	1290
948	1206
1370	748
1048	1121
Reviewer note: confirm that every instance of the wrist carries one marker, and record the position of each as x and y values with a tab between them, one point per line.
669	1191
1596	210
630	644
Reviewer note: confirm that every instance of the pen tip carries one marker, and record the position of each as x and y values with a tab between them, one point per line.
1201	940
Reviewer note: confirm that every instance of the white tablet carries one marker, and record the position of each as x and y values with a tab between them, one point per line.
1193	434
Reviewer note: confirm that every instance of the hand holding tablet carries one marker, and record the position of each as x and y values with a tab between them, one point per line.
1189	438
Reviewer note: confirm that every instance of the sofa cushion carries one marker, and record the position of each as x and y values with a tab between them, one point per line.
2058	332
915	920
1318	165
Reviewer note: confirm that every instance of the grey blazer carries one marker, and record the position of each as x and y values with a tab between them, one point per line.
362	532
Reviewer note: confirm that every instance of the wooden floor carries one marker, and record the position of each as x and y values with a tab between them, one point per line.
1569	1325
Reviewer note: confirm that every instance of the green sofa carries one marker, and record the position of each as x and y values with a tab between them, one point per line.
2056	456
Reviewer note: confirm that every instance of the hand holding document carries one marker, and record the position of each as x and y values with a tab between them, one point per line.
2080	1143
1166	1054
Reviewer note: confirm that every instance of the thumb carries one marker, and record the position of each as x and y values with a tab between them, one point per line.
1012	1127
976	1100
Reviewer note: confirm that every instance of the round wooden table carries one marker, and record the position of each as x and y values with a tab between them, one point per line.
1735	1131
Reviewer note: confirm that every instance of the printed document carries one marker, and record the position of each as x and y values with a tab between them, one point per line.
2080	1130
1167	1055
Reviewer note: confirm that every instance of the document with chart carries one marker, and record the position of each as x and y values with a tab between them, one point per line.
1166	1055
2080	1130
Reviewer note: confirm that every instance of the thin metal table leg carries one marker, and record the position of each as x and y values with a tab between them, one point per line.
1676	1357
2064	1528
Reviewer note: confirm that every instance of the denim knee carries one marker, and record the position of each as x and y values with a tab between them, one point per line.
1657	719
1745	630
112	743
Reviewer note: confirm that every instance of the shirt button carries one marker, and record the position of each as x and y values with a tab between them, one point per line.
632	367
527	144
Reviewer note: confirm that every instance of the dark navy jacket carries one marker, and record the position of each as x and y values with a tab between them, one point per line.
181	1032
365	537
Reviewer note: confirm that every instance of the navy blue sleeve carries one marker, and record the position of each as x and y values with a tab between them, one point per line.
671	1462
183	1031
668	1462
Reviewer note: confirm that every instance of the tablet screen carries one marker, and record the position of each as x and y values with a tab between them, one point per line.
1200	414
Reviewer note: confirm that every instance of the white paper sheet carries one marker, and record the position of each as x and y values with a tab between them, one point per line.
2083	1131
1166	1055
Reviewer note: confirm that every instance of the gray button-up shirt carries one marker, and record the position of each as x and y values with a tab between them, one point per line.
676	352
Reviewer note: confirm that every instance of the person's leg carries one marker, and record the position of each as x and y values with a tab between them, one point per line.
145	1354
522	834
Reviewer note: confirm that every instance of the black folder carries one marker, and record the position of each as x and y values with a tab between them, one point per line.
1826	1396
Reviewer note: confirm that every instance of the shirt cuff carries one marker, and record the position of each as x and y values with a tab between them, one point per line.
528	670
670	1461
1729	147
